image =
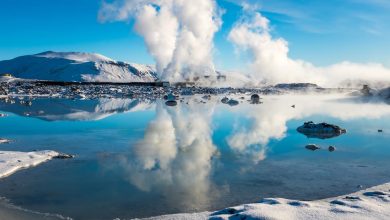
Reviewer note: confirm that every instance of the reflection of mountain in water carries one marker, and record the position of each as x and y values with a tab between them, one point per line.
73	110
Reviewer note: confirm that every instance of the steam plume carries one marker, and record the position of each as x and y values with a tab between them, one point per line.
271	63
178	33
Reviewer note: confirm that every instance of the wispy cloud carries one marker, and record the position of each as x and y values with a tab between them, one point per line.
330	16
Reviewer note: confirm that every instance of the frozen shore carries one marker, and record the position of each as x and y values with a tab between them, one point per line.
12	161
372	203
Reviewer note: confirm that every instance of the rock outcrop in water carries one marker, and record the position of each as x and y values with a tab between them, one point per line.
321	130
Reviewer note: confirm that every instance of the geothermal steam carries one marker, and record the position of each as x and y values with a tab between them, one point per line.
178	33
271	63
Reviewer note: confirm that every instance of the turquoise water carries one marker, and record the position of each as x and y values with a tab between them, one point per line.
142	158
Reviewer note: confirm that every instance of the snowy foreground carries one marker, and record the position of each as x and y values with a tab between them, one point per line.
372	203
12	161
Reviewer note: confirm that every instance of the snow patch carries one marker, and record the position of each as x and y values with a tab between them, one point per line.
12	161
373	203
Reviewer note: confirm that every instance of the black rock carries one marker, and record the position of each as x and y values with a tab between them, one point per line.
321	130
331	148
225	100
255	98
312	147
64	156
171	103
232	102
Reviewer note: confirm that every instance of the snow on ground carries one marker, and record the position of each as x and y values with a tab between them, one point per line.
372	203
12	161
76	56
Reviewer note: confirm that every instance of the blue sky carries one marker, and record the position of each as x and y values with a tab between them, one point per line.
322	32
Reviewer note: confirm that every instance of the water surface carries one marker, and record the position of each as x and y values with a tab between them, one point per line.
138	158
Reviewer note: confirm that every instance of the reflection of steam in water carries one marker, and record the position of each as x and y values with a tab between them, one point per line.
175	156
269	121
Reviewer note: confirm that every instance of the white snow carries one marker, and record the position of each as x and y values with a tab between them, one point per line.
76	56
75	66
372	203
12	161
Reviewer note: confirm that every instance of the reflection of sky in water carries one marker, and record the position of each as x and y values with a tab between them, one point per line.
195	157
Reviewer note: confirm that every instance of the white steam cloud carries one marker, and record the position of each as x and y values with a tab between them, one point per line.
178	33
271	63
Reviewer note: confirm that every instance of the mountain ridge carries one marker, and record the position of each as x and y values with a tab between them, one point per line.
76	66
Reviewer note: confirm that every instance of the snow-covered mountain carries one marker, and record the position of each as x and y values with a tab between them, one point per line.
75	66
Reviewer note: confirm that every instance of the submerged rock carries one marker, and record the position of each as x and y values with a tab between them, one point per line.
63	156
232	102
321	130
331	148
312	147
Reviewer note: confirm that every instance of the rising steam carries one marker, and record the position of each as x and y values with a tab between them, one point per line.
271	63
178	33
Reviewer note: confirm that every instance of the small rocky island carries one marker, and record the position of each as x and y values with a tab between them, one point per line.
321	130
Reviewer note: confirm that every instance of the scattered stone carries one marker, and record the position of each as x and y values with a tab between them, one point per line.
225	100
321	130
331	148
312	147
293	106
171	97
2	115
206	97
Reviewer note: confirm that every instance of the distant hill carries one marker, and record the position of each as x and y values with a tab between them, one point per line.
75	66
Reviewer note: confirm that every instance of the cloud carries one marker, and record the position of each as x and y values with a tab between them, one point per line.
178	33
323	17
271	62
